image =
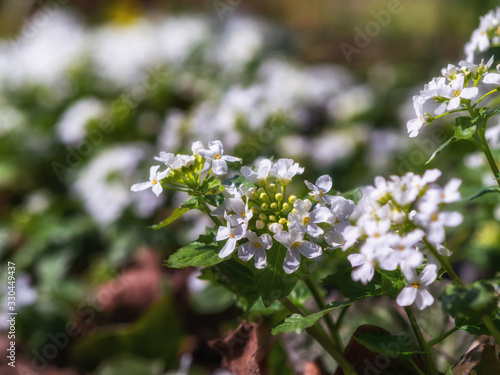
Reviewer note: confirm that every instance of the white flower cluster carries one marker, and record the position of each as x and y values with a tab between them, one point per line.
292	222
457	88
397	220
485	36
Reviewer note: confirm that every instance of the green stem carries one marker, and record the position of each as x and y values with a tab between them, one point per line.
323	341
207	210
311	284
444	262
491	327
487	152
437	340
484	96
421	341
414	365
447	113
341	317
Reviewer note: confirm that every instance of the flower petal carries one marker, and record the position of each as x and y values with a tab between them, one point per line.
310	250
292	261
219	167
246	251
260	258
324	183
407	296
141	186
228	248
424	299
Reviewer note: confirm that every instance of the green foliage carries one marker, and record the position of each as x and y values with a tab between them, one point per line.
393	346
383	282
466	127
196	254
486	190
441	148
476	300
297	323
235	277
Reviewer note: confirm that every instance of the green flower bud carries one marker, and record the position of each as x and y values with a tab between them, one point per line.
250	192
264	197
286	206
264	207
292	199
272	218
255	210
274	206
259	224
272	188
262	217
278	197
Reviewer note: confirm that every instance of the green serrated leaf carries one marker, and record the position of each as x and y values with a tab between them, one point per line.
465	127
272	282
392	282
297	323
487	190
352	289
235	277
177	213
441	148
473	301
393	346
196	254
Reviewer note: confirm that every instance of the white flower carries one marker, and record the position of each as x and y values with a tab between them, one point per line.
435	221
259	177
296	245
340	210
216	154
154	181
239	211
284	170
305	221
323	185
492	78
175	161
336	236
256	246
416	292
414	125
233	235
455	91
406	252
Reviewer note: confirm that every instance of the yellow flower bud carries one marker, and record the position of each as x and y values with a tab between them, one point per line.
272	188
274	206
264	207
278	197
292	199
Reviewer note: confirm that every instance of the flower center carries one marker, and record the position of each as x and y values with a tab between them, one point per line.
305	220
296	245
231	235
435	217
257	244
154	182
321	193
243	213
217	156
457	93
401	247
415	284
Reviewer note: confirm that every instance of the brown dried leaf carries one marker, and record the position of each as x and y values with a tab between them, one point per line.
481	360
240	350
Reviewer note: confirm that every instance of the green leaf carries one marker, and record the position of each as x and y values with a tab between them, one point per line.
393	346
465	127
441	148
272	282
235	277
189	205
196	254
297	323
352	289
473	301
475	326
354	195
486	190
392	282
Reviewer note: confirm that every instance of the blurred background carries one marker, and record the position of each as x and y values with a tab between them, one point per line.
90	91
